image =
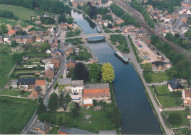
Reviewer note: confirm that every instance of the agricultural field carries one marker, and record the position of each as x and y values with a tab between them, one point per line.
6	62
15	114
20	12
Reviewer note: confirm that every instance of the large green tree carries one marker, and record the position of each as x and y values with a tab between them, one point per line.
41	108
53	102
67	98
81	72
95	72
107	72
3	28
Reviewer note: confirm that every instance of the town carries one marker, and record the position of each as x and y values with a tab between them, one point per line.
87	66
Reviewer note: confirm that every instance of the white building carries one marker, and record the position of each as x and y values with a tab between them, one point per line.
77	86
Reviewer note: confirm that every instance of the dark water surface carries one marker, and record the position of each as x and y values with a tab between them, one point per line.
137	114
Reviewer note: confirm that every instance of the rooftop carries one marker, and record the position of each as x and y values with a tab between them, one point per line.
77	83
65	81
74	131
97	86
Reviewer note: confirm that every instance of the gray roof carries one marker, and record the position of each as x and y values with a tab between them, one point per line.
141	31
78	1
97	86
14	82
74	131
65	81
77	83
175	84
108	132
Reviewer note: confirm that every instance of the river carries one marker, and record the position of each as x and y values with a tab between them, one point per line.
137	114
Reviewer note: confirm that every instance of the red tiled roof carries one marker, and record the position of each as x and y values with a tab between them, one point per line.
40	82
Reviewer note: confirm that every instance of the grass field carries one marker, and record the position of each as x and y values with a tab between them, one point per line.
6	64
54	130
183	114
15	93
20	12
15	114
13	22
162	89
169	101
159	76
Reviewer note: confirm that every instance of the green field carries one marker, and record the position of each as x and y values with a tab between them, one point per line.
6	64
158	76
13	22
15	114
169	101
15	93
20	12
183	114
162	89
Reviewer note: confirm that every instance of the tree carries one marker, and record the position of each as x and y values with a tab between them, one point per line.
95	72
53	102
62	18
61	100
17	57
14	43
107	72
41	108
110	26
81	72
71	106
67	98
3	28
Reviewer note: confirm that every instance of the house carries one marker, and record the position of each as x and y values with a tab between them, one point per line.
65	84
174	85
69	51
30	39
141	35
39	38
26	82
71	63
64	130
57	52
77	86
35	93
41	84
11	33
14	83
5	38
159	66
41	127
98	92
186	96
128	28
56	62
49	70
186	4
48	51
119	21
77	2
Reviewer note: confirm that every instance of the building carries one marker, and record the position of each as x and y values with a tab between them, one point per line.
65	84
141	35
41	127
98	92
57	52
26	82
69	51
186	96
64	130
56	62
175	85
41	84
49	70
71	63
77	86
35	93
77	2
108	132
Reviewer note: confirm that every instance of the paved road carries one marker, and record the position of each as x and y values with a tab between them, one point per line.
140	71
159	83
174	109
138	16
49	90
13	96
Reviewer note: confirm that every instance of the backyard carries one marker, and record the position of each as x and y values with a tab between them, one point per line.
166	98
15	114
153	77
6	62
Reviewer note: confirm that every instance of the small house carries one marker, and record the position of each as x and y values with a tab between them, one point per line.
71	63
175	85
186	96
64	130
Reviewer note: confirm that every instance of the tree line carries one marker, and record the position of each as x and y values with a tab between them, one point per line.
7	14
128	19
52	6
144	12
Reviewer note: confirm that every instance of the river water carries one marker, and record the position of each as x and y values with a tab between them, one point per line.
137	114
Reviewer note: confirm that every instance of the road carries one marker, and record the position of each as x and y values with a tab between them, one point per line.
158	83
49	90
138	16
134	61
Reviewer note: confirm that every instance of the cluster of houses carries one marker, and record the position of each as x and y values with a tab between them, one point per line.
85	94
35	86
176	22
75	3
176	85
14	34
